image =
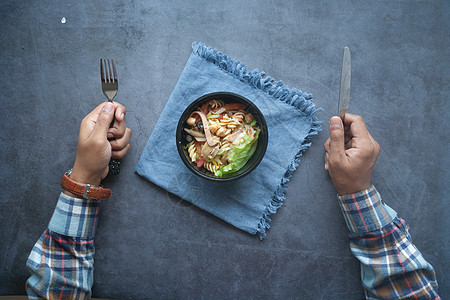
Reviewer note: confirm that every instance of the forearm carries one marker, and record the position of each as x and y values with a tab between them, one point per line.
391	266
61	262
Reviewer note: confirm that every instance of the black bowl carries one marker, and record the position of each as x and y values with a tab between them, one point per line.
226	97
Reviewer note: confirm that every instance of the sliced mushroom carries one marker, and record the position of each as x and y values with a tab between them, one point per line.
194	133
208	152
208	135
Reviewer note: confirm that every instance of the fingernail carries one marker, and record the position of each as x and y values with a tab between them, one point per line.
335	122
122	116
110	135
108	107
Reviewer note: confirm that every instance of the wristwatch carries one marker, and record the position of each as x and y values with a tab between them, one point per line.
87	191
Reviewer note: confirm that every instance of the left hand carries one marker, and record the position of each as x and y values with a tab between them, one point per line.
94	150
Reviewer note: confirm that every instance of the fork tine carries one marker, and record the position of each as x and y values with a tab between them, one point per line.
108	68
110	71
102	70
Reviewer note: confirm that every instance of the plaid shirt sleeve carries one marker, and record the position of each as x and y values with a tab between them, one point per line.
391	266
61	261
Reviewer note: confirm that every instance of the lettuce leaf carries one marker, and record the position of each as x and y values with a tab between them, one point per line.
239	155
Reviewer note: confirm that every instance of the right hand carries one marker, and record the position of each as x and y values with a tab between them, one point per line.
350	154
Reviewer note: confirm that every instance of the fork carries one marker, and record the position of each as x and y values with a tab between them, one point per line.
110	85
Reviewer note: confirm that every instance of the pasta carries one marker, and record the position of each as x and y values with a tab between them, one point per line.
223	136
192	152
210	166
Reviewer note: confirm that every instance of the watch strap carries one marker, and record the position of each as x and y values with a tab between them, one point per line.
87	191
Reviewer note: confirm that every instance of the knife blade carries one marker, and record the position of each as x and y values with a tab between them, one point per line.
344	91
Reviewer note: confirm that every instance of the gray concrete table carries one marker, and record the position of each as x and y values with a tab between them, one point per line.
151	244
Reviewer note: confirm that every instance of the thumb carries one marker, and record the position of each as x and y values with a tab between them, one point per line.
104	120
337	147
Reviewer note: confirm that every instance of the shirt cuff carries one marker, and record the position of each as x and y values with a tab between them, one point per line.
75	217
365	211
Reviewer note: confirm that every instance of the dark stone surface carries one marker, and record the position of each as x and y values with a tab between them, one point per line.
152	244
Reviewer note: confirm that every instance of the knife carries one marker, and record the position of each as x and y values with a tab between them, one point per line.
344	91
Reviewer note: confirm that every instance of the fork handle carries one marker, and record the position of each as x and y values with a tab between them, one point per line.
114	167
114	164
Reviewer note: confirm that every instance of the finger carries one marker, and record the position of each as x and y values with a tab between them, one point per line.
326	145
121	153
119	126
336	147
350	118
88	123
357	125
119	144
377	146
104	119
120	111
118	129
96	111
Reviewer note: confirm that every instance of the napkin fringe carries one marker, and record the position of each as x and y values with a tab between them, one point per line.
278	90
257	79
279	196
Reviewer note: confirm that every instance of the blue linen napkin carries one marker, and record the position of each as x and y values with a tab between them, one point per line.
246	203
